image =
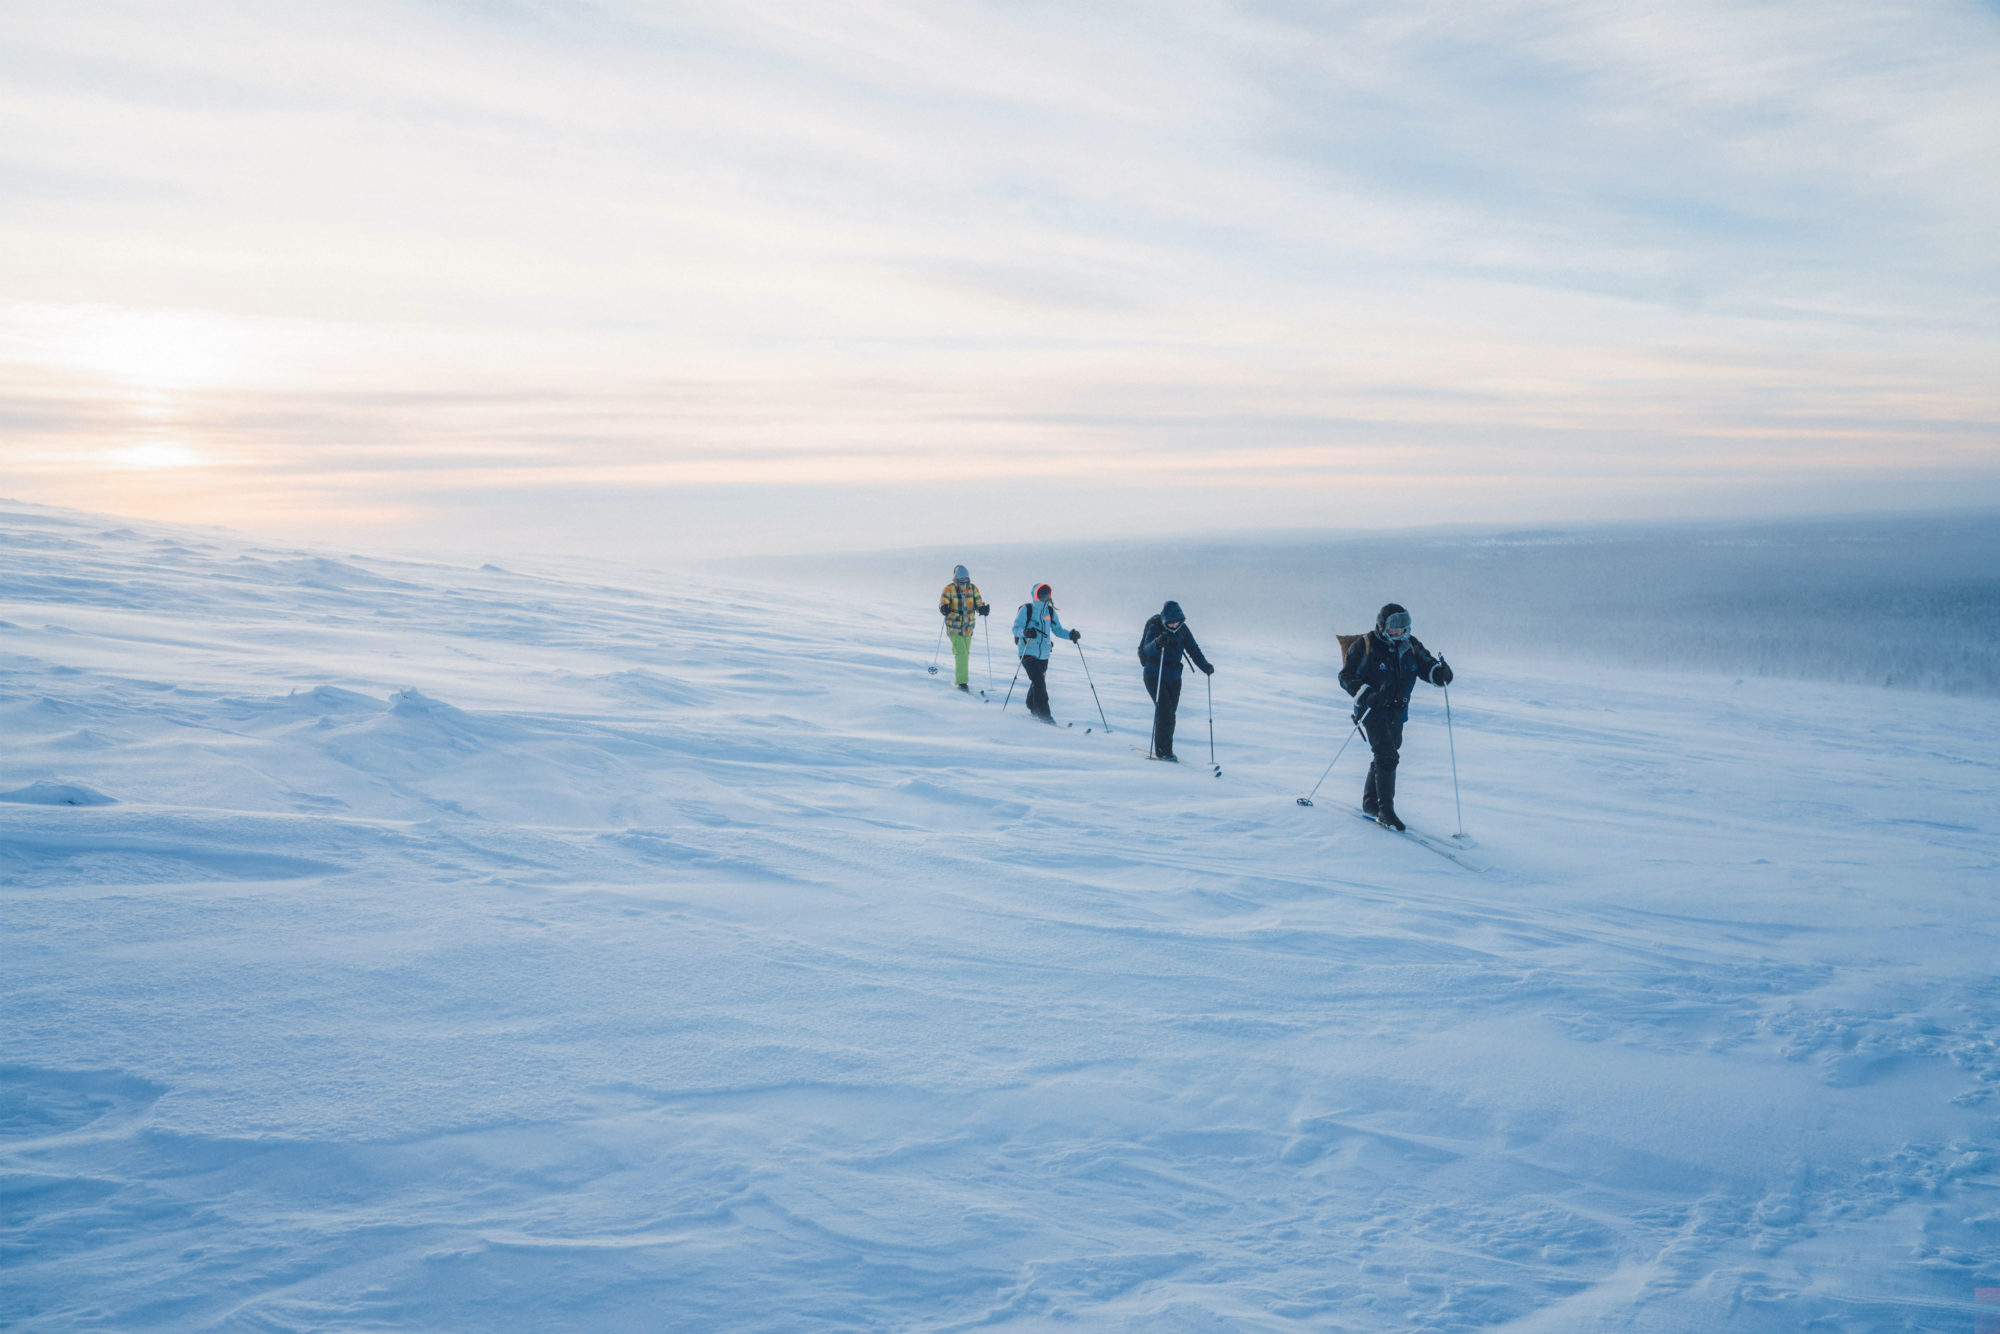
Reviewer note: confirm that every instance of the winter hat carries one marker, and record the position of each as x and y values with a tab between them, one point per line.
1389	610
960	573
1172	612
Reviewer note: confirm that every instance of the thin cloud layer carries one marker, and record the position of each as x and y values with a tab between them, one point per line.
1199	264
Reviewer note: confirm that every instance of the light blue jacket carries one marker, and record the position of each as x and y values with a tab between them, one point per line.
1036	628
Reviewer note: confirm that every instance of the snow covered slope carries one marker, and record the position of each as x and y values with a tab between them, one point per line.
393	946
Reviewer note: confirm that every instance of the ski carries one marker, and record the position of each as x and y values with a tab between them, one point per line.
1443	849
1215	769
1078	727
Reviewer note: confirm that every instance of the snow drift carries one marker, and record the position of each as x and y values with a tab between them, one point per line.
439	948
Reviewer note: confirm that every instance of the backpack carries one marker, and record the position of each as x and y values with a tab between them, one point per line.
1347	642
1147	636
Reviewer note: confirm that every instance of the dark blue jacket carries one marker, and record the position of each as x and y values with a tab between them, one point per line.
1388	672
1166	647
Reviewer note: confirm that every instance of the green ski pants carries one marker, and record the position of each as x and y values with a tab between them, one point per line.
961	656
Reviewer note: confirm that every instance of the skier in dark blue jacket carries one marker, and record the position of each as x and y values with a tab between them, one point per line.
1380	669
1162	652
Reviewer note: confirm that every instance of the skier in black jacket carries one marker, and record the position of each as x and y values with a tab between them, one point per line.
1162	652
1380	670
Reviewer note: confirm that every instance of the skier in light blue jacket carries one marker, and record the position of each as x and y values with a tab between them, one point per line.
1036	628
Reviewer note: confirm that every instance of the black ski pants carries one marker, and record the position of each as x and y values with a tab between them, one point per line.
1038	690
1151	672
1385	740
1164	704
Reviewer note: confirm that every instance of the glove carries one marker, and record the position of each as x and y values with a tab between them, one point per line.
1208	671
1075	635
1441	674
983	609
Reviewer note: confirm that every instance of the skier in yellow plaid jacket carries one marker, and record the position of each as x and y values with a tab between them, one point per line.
958	604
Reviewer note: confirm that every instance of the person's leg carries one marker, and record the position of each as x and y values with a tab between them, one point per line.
1385	741
961	657
1163	716
1371	800
1152	674
1387	790
1038	692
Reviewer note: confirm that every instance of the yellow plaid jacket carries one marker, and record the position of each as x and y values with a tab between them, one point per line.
961	603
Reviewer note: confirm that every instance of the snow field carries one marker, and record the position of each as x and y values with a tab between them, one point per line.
387	945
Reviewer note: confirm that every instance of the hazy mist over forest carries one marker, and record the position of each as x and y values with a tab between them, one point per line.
1906	601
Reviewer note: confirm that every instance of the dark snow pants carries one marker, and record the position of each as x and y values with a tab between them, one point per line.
1038	691
1164	705
1385	739
1151	672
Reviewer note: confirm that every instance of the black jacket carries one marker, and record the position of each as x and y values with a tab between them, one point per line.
1388	672
1166	647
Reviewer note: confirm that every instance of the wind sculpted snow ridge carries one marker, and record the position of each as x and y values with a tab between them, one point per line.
389	945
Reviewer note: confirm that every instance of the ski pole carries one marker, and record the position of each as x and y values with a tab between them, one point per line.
1010	689
1093	685
1454	761
1346	741
1209	680
935	652
1153	739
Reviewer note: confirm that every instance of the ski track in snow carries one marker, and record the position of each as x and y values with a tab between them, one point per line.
391	945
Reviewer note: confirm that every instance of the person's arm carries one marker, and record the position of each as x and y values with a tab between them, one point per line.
1021	627
1056	630
1194	651
978	602
944	601
1426	664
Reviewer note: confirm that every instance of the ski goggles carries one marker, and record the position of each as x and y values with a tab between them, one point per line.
1397	625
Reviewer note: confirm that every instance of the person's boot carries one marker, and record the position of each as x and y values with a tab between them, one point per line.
1386	816
966	688
1369	805
1168	758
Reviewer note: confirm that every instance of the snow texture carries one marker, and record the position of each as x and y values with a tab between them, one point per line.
389	945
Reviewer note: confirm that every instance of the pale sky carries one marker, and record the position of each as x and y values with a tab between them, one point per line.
640	279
